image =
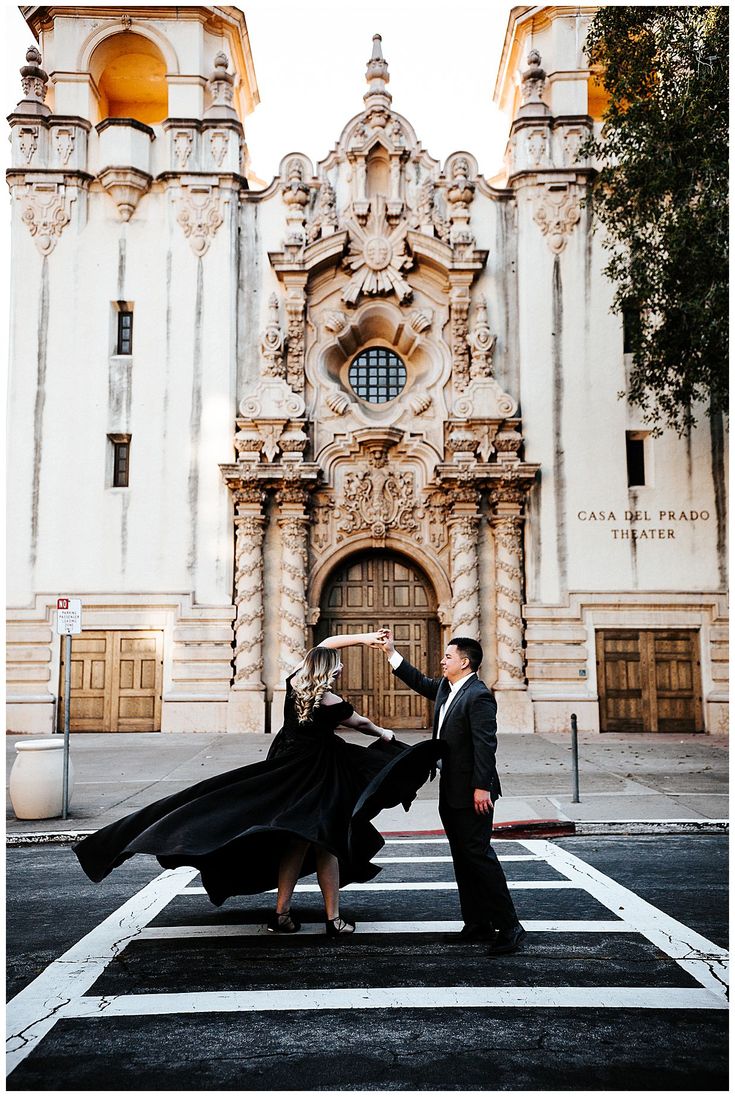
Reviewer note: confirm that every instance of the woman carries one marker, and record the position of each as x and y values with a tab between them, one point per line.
306	808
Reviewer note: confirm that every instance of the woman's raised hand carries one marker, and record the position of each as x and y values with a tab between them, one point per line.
376	639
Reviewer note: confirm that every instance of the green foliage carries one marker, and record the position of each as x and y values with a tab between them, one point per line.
661	196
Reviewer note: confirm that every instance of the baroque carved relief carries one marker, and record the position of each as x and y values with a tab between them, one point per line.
377	499
199	214
377	255
272	342
556	214
46	213
482	344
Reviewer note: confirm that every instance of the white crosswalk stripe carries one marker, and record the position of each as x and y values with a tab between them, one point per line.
61	990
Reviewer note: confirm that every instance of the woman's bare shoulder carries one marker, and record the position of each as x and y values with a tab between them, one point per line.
330	699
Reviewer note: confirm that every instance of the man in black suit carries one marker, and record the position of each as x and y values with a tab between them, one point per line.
464	719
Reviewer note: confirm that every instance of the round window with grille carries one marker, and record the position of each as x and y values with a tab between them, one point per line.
377	375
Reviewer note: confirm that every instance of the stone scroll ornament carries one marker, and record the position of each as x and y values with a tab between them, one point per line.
378	499
294	532
249	598
465	578
199	215
46	213
556	214
508	533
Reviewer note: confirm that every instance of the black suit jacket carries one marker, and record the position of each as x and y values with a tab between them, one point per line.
468	734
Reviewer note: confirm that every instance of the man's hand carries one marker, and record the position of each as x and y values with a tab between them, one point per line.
387	644
386	734
376	639
483	803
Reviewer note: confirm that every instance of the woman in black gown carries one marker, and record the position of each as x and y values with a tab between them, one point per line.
306	808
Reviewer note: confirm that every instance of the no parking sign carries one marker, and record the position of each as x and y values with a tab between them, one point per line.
68	616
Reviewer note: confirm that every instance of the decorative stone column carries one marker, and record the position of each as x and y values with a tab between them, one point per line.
463	530
246	705
293	522
515	709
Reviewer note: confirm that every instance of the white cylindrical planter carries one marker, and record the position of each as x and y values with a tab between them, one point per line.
37	779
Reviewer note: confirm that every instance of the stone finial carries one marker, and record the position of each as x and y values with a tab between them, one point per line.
533	81
221	87
377	97
33	81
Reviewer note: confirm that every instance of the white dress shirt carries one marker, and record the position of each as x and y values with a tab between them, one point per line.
454	688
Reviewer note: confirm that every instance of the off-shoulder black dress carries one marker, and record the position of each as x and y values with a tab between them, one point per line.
234	827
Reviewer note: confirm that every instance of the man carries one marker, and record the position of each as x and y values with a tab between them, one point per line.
464	719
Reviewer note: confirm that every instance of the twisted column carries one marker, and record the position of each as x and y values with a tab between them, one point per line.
463	531
292	635
250	526
508	529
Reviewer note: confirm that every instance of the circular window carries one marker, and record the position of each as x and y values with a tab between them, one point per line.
377	375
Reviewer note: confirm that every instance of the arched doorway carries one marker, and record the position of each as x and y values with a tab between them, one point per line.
365	592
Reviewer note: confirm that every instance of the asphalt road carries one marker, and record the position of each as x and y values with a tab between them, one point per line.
201	999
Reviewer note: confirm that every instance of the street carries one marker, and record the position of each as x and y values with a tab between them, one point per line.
621	985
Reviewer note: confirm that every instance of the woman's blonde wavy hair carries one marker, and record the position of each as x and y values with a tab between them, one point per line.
312	680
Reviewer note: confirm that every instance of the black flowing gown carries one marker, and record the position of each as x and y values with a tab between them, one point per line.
235	827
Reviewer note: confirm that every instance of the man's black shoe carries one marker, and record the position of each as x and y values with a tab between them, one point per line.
510	940
474	931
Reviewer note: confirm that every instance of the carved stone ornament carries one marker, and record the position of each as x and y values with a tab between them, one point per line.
295	305
221	88
377	256
272	343
537	143
64	138
219	141
295	193
459	194
533	79
28	142
46	212
199	215
484	399
325	218
182	146
482	344
34	81
272	399
459	311
556	214
378	499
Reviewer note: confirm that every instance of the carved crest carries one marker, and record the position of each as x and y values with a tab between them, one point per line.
378	499
377	256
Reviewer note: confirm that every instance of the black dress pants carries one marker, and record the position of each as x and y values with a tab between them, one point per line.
483	890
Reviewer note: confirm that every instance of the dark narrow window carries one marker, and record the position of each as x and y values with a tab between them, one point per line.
635	457
124	332
631	324
120	464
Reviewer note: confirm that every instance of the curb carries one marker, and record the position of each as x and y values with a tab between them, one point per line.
520	828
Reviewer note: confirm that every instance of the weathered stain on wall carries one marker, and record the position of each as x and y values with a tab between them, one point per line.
560	482
195	424
39	404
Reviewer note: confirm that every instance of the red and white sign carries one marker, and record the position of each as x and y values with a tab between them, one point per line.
68	616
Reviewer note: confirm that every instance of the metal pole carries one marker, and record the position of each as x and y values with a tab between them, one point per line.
575	761
67	702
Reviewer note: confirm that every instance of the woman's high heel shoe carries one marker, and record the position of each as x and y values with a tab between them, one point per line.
337	927
283	923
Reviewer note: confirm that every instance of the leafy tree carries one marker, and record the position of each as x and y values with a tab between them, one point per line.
661	195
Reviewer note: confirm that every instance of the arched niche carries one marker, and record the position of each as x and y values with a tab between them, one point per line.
129	71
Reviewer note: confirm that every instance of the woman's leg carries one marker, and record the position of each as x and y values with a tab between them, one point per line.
288	873
327	873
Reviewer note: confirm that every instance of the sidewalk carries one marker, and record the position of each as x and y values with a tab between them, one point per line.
628	783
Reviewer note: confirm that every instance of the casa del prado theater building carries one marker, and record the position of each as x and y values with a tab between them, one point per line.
379	390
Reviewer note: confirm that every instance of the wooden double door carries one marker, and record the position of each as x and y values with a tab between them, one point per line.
649	680
369	592
116	681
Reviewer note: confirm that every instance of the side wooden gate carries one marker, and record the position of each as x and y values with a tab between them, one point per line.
116	680
649	680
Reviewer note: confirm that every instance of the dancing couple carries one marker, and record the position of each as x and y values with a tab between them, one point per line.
308	806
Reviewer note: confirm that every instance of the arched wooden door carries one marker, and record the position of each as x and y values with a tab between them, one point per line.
367	592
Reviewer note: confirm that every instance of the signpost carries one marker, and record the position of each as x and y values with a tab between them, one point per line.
68	624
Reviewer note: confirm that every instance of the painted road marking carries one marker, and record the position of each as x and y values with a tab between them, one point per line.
413	885
261	1001
700	958
165	933
59	992
36	1009
448	860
